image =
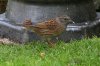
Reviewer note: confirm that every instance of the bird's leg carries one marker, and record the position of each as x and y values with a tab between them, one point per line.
50	43
43	39
57	38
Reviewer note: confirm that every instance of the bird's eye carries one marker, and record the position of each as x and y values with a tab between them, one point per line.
65	19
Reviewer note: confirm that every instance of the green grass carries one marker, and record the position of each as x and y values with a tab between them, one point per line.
76	53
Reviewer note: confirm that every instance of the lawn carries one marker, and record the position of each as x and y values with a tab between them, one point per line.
76	53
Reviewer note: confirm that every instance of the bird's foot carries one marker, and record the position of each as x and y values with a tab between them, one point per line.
51	43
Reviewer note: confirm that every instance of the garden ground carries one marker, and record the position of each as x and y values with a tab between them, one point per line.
85	52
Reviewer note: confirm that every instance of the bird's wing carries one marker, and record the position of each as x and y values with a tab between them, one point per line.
44	28
48	25
40	26
51	25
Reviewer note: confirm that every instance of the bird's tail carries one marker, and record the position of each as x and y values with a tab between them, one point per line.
27	24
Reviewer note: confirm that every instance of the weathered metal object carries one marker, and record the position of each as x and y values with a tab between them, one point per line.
81	12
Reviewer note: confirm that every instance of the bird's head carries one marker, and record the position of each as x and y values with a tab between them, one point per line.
65	20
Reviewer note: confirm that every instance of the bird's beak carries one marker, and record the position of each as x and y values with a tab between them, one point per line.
71	21
24	28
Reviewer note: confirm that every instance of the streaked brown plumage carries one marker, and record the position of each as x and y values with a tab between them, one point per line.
49	28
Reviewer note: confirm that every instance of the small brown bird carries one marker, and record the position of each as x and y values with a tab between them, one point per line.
50	28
